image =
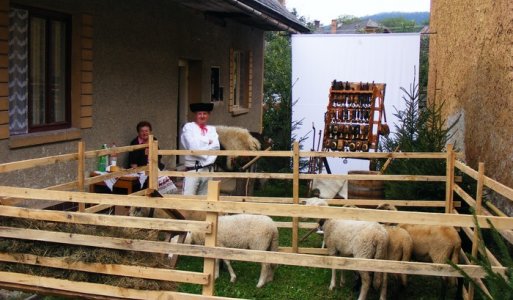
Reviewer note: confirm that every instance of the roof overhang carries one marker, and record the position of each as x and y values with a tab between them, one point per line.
264	14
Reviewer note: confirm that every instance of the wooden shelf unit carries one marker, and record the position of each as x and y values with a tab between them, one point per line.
354	116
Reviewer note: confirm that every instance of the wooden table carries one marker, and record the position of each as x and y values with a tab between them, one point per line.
125	185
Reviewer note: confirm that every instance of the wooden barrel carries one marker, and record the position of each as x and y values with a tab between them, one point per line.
365	189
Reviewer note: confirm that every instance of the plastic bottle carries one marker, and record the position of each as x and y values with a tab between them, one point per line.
113	156
103	160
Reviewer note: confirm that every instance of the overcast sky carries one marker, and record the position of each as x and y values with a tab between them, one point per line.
326	10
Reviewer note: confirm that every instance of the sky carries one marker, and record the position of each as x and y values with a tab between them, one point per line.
326	10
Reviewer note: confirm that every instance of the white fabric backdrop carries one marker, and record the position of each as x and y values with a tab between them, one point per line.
318	59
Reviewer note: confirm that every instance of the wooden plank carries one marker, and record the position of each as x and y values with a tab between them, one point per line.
4	33
304	260
4	13
449	183
4	117
4	103
100	152
97	208
4	131
87	77
466	169
36	162
464	195
86	88
499	188
87	65
87	43
4	74
4	46
493	260
478	211
307	225
87	31
396	203
410	155
478	280
106	220
305	176
81	171
302	250
4	87
86	111
227	153
87	54
209	264
260	208
109	269
4	64
87	20
86	288
295	195
86	122
153	169
100	178
86	100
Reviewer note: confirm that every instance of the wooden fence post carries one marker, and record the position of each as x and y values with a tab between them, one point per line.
152	165
209	264
80	171
449	180
478	209
295	195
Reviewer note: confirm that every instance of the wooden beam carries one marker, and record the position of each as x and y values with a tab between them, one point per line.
86	288
105	220
466	169
81	171
499	188
227	153
449	181
478	210
295	196
109	269
36	162
100	178
304	260
209	264
260	208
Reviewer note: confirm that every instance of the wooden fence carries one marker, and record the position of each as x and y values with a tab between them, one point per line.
213	204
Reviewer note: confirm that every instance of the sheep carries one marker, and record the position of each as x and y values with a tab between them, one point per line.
234	138
245	231
400	247
359	239
432	243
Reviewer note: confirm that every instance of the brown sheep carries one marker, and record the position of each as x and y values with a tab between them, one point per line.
432	243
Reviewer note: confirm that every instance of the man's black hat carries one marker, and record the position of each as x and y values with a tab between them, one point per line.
195	107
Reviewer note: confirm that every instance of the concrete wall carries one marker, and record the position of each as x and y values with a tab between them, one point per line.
137	45
471	69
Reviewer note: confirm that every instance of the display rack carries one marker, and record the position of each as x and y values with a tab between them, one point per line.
353	120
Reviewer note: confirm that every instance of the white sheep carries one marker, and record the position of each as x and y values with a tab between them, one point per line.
360	239
433	243
245	231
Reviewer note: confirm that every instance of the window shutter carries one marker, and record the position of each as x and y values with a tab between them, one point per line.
4	71
250	78
232	77
86	82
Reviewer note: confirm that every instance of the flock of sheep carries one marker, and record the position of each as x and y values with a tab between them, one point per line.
348	238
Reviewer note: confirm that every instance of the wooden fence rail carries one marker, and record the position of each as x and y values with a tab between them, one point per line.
213	204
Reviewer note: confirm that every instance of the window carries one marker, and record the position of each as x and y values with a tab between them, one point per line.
241	78
39	68
215	90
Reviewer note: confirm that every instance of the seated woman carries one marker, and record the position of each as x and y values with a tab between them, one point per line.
138	158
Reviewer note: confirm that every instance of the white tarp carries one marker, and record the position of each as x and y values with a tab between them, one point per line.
318	59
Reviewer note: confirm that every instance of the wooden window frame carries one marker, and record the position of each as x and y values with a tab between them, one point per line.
49	16
240	103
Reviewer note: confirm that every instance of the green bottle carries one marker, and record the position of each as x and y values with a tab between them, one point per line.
103	160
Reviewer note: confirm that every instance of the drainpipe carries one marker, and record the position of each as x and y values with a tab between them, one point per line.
262	16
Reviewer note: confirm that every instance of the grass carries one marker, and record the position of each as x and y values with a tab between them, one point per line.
291	282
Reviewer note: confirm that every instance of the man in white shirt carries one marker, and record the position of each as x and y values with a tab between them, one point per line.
198	135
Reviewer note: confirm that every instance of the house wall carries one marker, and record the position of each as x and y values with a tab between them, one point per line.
471	69
137	45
